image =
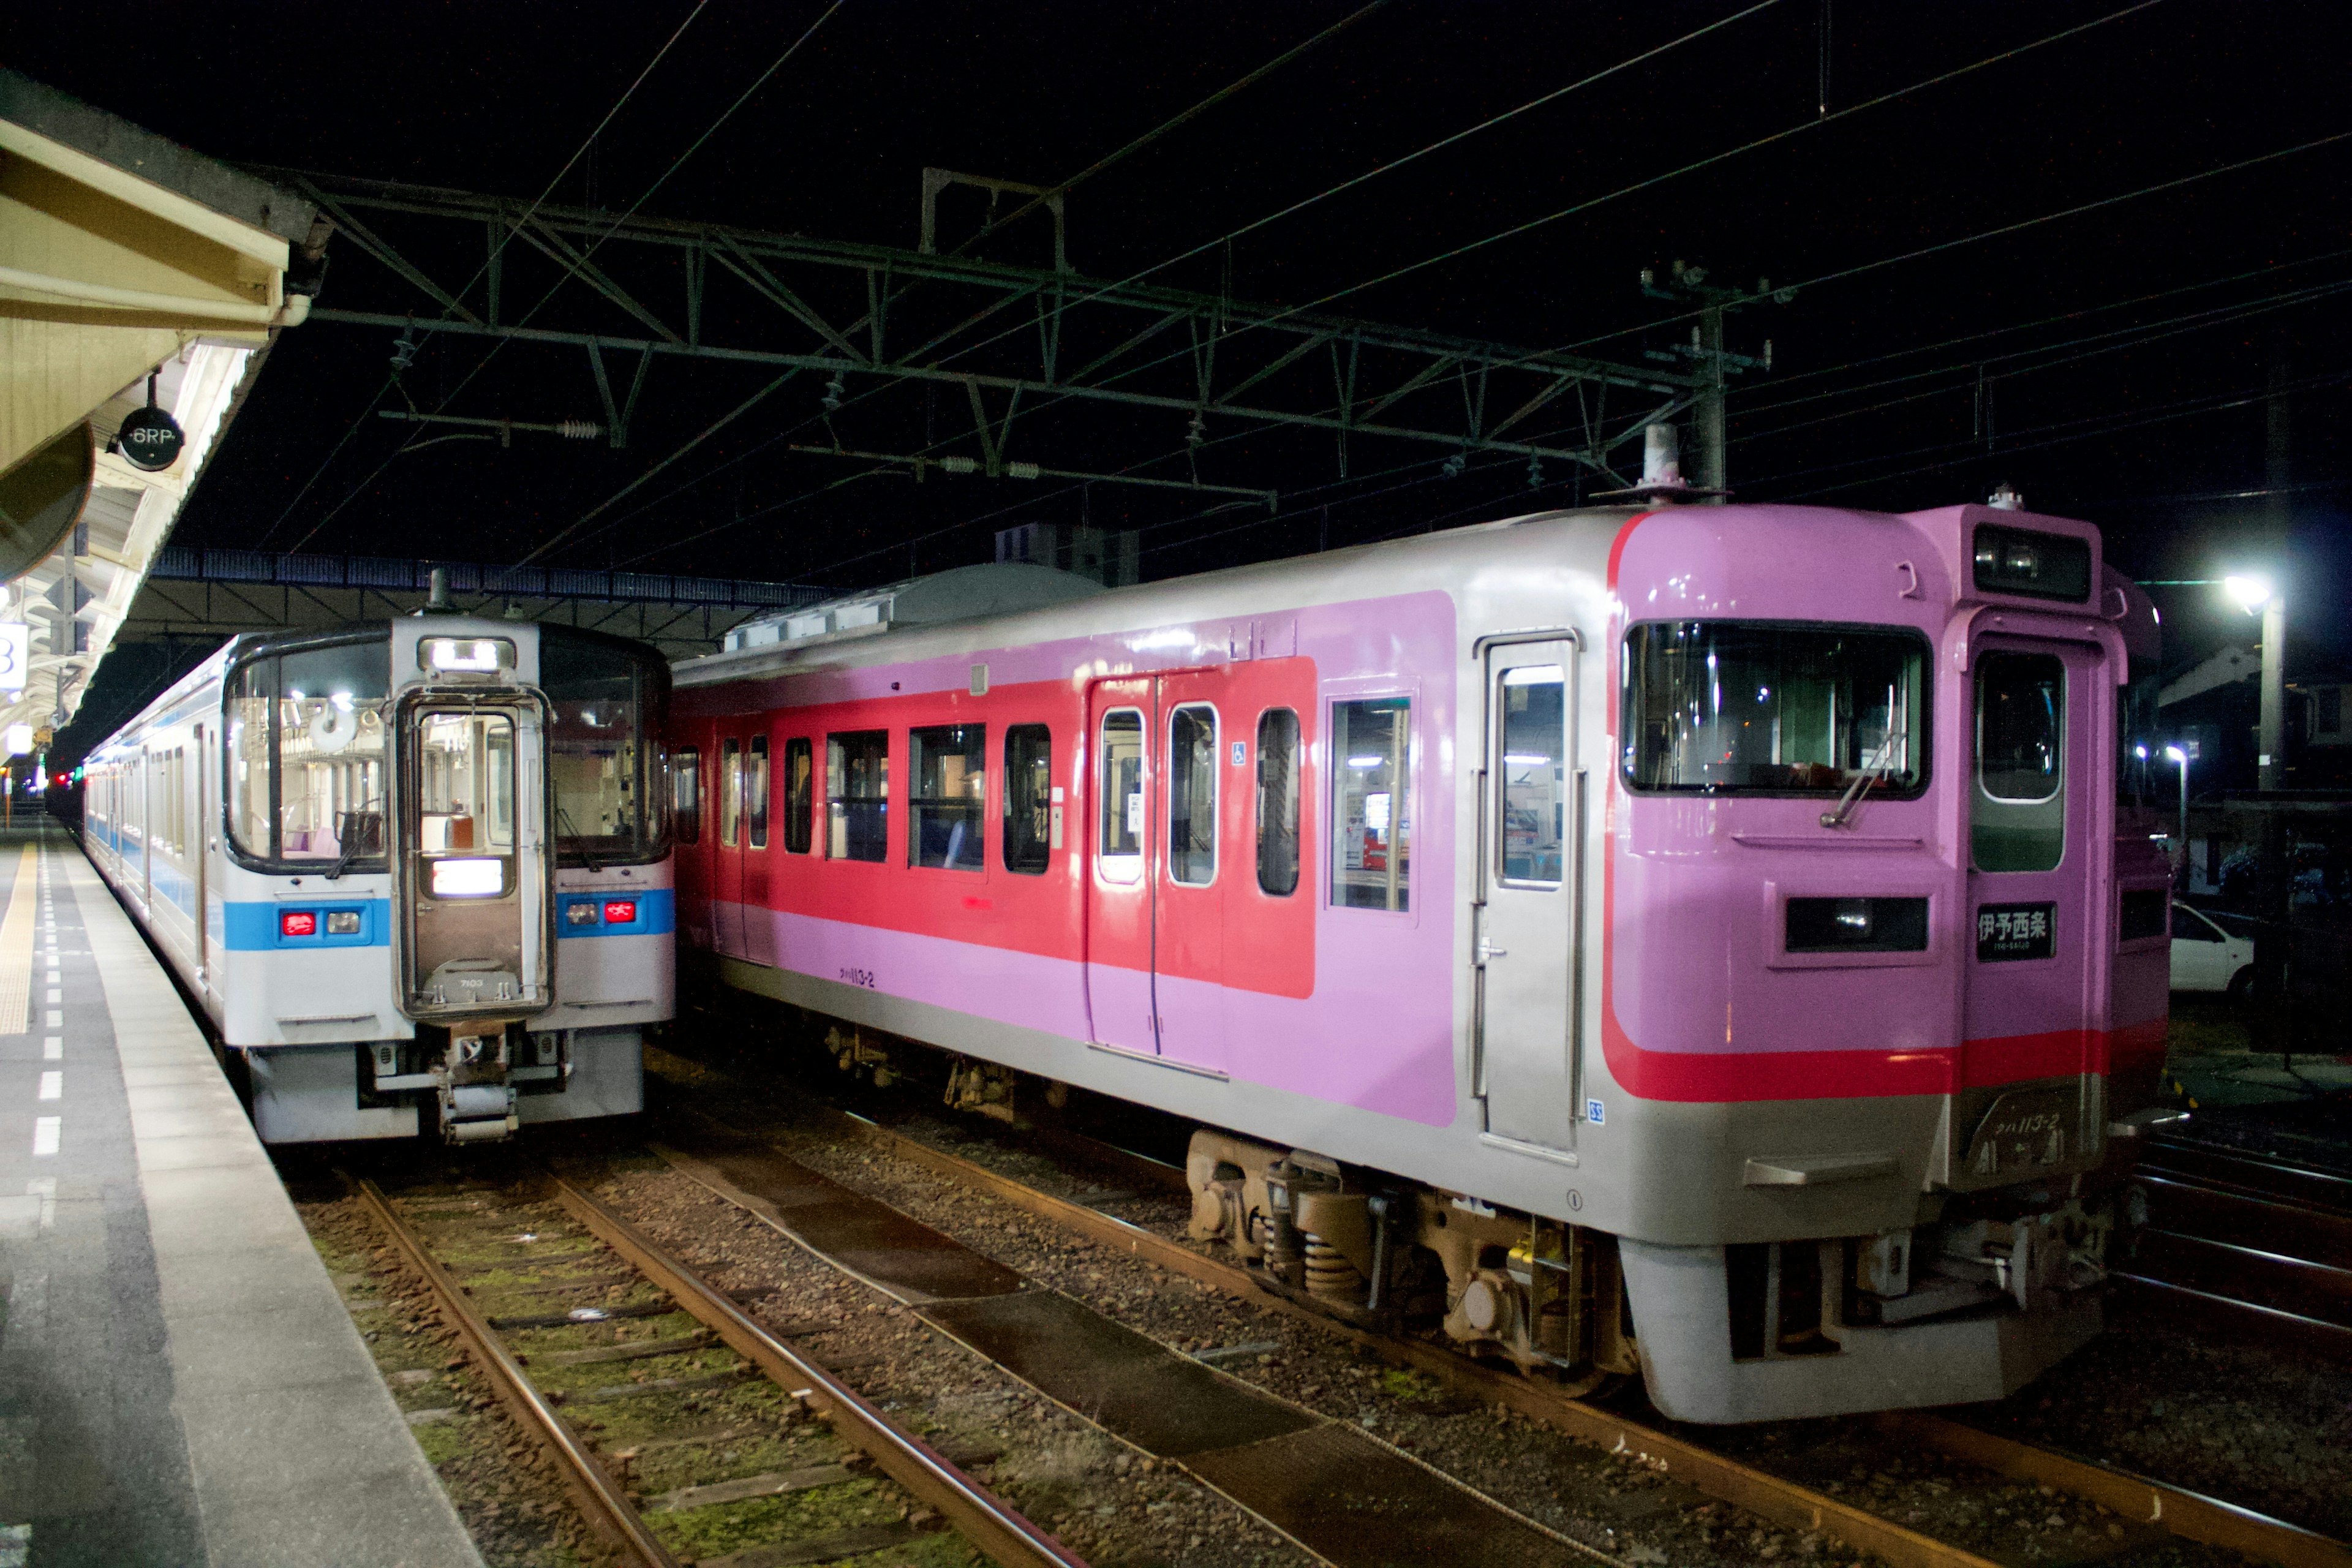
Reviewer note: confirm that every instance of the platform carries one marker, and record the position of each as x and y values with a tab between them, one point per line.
180	1382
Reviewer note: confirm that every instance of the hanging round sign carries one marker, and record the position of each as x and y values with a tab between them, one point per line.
150	439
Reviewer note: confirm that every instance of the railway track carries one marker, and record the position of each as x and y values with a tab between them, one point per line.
676	1419
2149	1503
2243	1246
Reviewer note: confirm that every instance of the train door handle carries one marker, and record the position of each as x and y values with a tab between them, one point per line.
1487	949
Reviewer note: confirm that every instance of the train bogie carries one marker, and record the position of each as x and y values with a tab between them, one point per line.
1645	925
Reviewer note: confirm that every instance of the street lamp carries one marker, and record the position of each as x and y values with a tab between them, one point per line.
2254	594
2176	754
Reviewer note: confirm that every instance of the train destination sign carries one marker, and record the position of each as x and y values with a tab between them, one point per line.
2006	933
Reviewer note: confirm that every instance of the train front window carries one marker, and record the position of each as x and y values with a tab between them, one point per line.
605	702
307	753
465	802
1765	708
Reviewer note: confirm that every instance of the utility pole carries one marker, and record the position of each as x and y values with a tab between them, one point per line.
2270	748
1715	363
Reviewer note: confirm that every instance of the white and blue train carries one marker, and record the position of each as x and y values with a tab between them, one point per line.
409	868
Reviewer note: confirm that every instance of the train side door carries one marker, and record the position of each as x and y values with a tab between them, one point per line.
1525	939
2037	847
1122	728
726	857
1198	796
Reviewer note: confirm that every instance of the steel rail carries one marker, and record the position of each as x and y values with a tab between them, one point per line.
2176	1509
988	1521
1768	1497
602	1502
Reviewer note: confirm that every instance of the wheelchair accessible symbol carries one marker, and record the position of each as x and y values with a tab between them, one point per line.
1595	1112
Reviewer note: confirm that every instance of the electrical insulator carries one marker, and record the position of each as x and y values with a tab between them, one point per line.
1454	465
1021	471
403	351
579	429
1535	472
1197	430
833	391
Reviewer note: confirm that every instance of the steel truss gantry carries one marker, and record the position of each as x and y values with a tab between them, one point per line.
626	292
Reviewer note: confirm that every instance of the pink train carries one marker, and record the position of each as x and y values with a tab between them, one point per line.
1695	942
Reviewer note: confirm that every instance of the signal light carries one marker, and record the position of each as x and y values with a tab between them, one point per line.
621	912
298	922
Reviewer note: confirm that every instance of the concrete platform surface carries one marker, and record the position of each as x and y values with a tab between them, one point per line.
180	1382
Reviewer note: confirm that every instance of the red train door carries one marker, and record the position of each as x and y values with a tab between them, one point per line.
727	853
1199	795
1122	726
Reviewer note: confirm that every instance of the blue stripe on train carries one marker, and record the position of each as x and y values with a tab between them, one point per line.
255	927
657	914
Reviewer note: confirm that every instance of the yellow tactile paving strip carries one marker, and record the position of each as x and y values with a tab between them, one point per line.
16	945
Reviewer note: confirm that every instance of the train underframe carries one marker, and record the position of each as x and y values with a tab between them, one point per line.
471	1084
1970	1305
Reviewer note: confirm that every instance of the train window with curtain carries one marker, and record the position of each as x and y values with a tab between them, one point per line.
755	792
857	795
1192	794
1372	815
1119	848
686	797
731	792
947	802
1532	778
1277	802
1029	810
800	794
2017	811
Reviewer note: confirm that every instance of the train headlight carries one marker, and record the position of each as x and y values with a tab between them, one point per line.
343	922
620	911
468	878
298	922
582	913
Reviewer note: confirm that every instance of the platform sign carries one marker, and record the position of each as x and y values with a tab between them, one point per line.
15	653
150	439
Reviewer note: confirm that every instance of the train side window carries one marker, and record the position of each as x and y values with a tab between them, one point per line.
1118	847
1031	819
755	792
948	802
800	768
857	795
1371	815
1277	802
2017	815
731	792
250	818
1192	794
1531	774
686	797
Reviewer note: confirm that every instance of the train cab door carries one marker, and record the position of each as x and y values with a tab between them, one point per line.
1197	797
726	855
1123	732
2036	844
1532	806
475	868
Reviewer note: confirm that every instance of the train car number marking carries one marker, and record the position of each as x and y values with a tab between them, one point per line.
864	977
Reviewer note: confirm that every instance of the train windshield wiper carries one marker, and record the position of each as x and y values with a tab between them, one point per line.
1872	774
572	830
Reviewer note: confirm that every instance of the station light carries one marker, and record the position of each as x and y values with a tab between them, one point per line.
2249	593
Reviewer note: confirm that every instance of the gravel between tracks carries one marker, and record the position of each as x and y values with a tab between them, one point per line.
1117	1508
1610	1502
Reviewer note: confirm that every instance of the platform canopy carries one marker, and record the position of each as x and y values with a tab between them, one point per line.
134	274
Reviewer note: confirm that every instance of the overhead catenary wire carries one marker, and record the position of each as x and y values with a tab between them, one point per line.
663	178
1588	79
359	420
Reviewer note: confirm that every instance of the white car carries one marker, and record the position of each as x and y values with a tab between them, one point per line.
2205	957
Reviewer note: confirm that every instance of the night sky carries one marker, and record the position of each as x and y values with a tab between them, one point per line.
2126	349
